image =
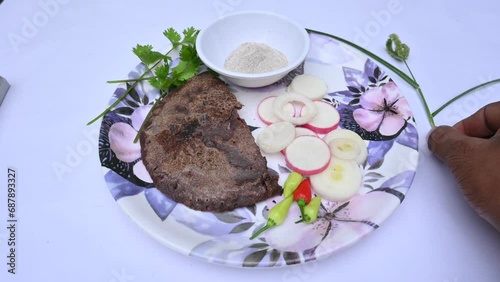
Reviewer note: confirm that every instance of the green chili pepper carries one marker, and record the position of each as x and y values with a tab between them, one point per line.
276	215
311	210
291	183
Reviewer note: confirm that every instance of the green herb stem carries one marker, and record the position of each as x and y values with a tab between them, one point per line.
427	110
128	80
136	81
138	135
463	94
108	109
422	97
401	74
409	70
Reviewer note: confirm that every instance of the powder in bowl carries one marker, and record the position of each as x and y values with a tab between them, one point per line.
255	58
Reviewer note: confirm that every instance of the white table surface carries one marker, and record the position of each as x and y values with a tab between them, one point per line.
71	229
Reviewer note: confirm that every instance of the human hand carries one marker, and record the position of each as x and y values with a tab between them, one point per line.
471	149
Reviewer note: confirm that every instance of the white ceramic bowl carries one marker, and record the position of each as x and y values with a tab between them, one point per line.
218	40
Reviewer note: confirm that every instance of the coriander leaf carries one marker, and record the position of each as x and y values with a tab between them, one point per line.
162	71
173	36
146	54
162	83
184	71
177	70
155	82
190	35
188	53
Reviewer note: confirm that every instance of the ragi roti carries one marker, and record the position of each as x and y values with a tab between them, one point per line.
200	153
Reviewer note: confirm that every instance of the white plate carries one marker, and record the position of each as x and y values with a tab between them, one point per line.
366	98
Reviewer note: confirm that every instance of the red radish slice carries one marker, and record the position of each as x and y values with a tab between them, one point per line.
281	101
276	137
265	110
326	120
300	131
308	155
308	85
339	182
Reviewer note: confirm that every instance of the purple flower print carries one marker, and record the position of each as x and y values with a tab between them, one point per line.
383	109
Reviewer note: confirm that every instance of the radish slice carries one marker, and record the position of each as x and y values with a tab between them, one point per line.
339	182
281	101
276	137
308	155
344	148
326	120
348	134
300	131
265	110
308	85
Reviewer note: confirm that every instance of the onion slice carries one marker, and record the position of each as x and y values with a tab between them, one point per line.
309	85
265	110
281	101
276	137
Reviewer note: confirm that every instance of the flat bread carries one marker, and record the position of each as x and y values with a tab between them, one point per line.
200	153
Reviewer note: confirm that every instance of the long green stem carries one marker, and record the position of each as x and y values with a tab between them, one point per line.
129	80
141	77
136	81
108	109
421	94
267	226
463	94
138	135
427	110
408	67
401	74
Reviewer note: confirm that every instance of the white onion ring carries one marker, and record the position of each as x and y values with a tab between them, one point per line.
281	101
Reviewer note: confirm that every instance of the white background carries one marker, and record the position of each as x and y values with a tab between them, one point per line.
71	229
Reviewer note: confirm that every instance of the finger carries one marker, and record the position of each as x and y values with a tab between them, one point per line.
447	142
484	123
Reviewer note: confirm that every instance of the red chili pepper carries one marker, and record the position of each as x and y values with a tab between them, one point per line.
302	195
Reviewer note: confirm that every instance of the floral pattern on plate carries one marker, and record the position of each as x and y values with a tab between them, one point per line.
369	103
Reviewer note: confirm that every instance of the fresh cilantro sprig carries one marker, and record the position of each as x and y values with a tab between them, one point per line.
159	70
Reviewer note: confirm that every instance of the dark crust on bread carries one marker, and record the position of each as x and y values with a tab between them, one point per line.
200	153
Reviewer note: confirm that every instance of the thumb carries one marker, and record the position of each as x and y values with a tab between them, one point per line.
447	142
